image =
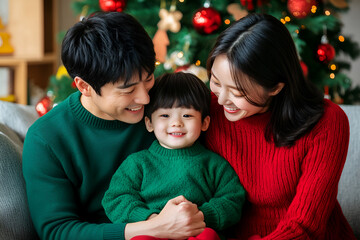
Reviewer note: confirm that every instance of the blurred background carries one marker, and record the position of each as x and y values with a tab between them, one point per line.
326	34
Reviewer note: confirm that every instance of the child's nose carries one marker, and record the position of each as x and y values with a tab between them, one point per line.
177	123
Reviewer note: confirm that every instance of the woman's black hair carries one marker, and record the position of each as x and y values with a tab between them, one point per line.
179	90
107	47
261	52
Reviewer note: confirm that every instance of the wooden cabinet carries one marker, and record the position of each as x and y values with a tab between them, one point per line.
33	28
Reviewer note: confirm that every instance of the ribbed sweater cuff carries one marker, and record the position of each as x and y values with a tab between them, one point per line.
114	231
141	214
210	215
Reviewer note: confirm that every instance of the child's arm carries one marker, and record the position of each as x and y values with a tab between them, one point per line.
122	201
225	208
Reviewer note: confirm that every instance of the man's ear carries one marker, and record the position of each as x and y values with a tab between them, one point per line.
205	123
148	124
277	89
83	86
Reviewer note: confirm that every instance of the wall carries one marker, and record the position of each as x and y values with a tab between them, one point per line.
351	20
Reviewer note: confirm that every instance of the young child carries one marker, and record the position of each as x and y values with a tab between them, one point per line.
176	163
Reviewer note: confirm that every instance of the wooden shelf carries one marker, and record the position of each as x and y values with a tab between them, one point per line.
33	27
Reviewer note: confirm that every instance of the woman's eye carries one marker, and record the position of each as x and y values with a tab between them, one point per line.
215	83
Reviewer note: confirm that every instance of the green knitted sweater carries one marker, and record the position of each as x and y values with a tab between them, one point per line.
69	158
146	180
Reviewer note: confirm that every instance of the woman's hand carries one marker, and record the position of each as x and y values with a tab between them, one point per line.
179	219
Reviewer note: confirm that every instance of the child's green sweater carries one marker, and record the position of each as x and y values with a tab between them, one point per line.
146	180
69	158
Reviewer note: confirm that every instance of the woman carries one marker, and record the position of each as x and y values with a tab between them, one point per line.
287	144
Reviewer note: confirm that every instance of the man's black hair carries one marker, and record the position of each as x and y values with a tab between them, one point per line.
107	47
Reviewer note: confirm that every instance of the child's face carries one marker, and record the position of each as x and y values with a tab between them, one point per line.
177	127
123	103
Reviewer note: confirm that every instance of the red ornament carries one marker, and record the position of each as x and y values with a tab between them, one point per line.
206	20
325	52
304	68
300	8
44	106
182	68
112	5
251	4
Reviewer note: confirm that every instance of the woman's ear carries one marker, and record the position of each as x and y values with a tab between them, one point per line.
148	124
277	89
205	123
83	86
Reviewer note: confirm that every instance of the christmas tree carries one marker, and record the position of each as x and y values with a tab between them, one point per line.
184	31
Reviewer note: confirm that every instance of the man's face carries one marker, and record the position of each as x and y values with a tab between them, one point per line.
121	102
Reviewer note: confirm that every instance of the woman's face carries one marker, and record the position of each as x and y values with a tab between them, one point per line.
223	86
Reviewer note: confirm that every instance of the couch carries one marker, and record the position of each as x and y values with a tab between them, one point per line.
15	222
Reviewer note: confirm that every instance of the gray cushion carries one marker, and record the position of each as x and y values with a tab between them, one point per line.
349	185
17	117
15	222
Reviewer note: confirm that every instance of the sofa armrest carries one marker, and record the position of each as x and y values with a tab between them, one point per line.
349	185
14	213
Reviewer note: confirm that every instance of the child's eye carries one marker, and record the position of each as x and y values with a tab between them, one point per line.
187	115
164	115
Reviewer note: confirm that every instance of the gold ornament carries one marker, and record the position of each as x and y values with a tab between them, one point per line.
236	11
170	20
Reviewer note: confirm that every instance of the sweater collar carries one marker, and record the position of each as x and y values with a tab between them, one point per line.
88	118
158	150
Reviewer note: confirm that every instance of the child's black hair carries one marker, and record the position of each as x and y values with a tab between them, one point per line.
107	47
179	90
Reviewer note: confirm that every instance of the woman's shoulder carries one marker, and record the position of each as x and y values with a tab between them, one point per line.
333	119
333	112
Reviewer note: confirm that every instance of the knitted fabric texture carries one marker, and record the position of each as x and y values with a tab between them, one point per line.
69	157
291	190
148	179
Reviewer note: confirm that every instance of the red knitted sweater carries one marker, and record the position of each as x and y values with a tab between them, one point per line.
291	192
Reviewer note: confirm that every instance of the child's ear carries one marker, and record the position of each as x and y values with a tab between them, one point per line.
205	123
83	86
148	124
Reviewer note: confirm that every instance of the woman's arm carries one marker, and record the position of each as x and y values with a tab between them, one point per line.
308	215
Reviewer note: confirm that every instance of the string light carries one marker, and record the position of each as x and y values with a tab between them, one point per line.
227	21
181	1
327	13
333	67
341	38
287	19
313	9
157	63
297	31
332	75
283	20
180	54
198	62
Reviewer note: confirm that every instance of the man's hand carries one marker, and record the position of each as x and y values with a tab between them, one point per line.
179	219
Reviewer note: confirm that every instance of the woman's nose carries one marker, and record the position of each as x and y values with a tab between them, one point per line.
222	97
